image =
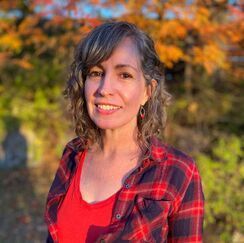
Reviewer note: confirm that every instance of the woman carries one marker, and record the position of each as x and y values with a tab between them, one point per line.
116	181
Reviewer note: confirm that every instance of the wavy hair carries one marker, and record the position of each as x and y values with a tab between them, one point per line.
96	47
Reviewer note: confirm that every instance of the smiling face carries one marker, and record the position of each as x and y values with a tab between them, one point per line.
115	89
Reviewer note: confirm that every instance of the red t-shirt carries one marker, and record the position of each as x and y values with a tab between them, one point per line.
79	221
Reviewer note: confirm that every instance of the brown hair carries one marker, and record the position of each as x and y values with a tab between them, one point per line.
98	46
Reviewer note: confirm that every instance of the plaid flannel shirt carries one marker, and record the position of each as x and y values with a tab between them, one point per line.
161	201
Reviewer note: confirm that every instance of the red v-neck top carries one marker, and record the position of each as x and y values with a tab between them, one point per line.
79	221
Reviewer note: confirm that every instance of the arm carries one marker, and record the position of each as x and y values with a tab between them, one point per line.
186	224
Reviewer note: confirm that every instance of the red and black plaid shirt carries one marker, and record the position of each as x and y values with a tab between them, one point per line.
161	201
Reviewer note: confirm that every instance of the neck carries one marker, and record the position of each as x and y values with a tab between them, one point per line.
117	142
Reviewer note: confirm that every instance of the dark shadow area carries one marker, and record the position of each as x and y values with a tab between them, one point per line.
14	145
20	207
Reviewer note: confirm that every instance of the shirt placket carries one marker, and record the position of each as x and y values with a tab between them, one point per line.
123	208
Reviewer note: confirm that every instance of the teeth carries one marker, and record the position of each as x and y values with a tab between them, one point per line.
108	107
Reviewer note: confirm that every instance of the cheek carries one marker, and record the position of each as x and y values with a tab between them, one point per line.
88	98
136	97
89	91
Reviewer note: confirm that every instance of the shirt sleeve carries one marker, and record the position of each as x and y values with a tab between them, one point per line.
186	224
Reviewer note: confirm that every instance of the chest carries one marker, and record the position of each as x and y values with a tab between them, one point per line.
101	179
136	214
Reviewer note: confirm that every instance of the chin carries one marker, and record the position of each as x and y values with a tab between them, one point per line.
112	125
106	125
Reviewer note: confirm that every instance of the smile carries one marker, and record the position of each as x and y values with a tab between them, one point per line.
108	107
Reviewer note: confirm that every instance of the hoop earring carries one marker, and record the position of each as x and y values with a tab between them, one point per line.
142	112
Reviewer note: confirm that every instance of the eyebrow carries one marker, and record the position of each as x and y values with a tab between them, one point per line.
119	66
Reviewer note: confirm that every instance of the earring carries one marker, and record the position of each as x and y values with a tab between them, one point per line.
142	112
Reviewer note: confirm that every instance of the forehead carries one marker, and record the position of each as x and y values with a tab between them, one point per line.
125	52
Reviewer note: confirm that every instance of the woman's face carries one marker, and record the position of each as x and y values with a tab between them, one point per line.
115	89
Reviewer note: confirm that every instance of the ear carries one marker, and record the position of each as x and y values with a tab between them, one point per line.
150	89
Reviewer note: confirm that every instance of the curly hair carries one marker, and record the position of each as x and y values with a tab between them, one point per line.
96	47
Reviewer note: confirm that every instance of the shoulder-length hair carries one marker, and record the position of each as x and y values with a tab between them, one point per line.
96	47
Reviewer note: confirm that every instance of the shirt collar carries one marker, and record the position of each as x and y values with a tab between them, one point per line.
156	152
76	144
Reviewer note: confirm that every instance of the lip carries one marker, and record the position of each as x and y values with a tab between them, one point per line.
110	104
106	112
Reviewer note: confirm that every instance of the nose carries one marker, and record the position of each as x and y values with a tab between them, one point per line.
106	86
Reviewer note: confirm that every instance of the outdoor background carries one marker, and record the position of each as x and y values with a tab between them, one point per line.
201	44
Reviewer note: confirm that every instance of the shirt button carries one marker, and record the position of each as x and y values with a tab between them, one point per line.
127	186
118	216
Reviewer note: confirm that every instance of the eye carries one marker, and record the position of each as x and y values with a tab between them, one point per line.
126	75
95	74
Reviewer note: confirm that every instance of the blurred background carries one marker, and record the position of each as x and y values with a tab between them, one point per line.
201	44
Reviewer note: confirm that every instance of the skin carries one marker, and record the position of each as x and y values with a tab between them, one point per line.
119	82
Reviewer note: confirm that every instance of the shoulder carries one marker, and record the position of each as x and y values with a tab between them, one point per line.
70	155
163	152
177	170
69	160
